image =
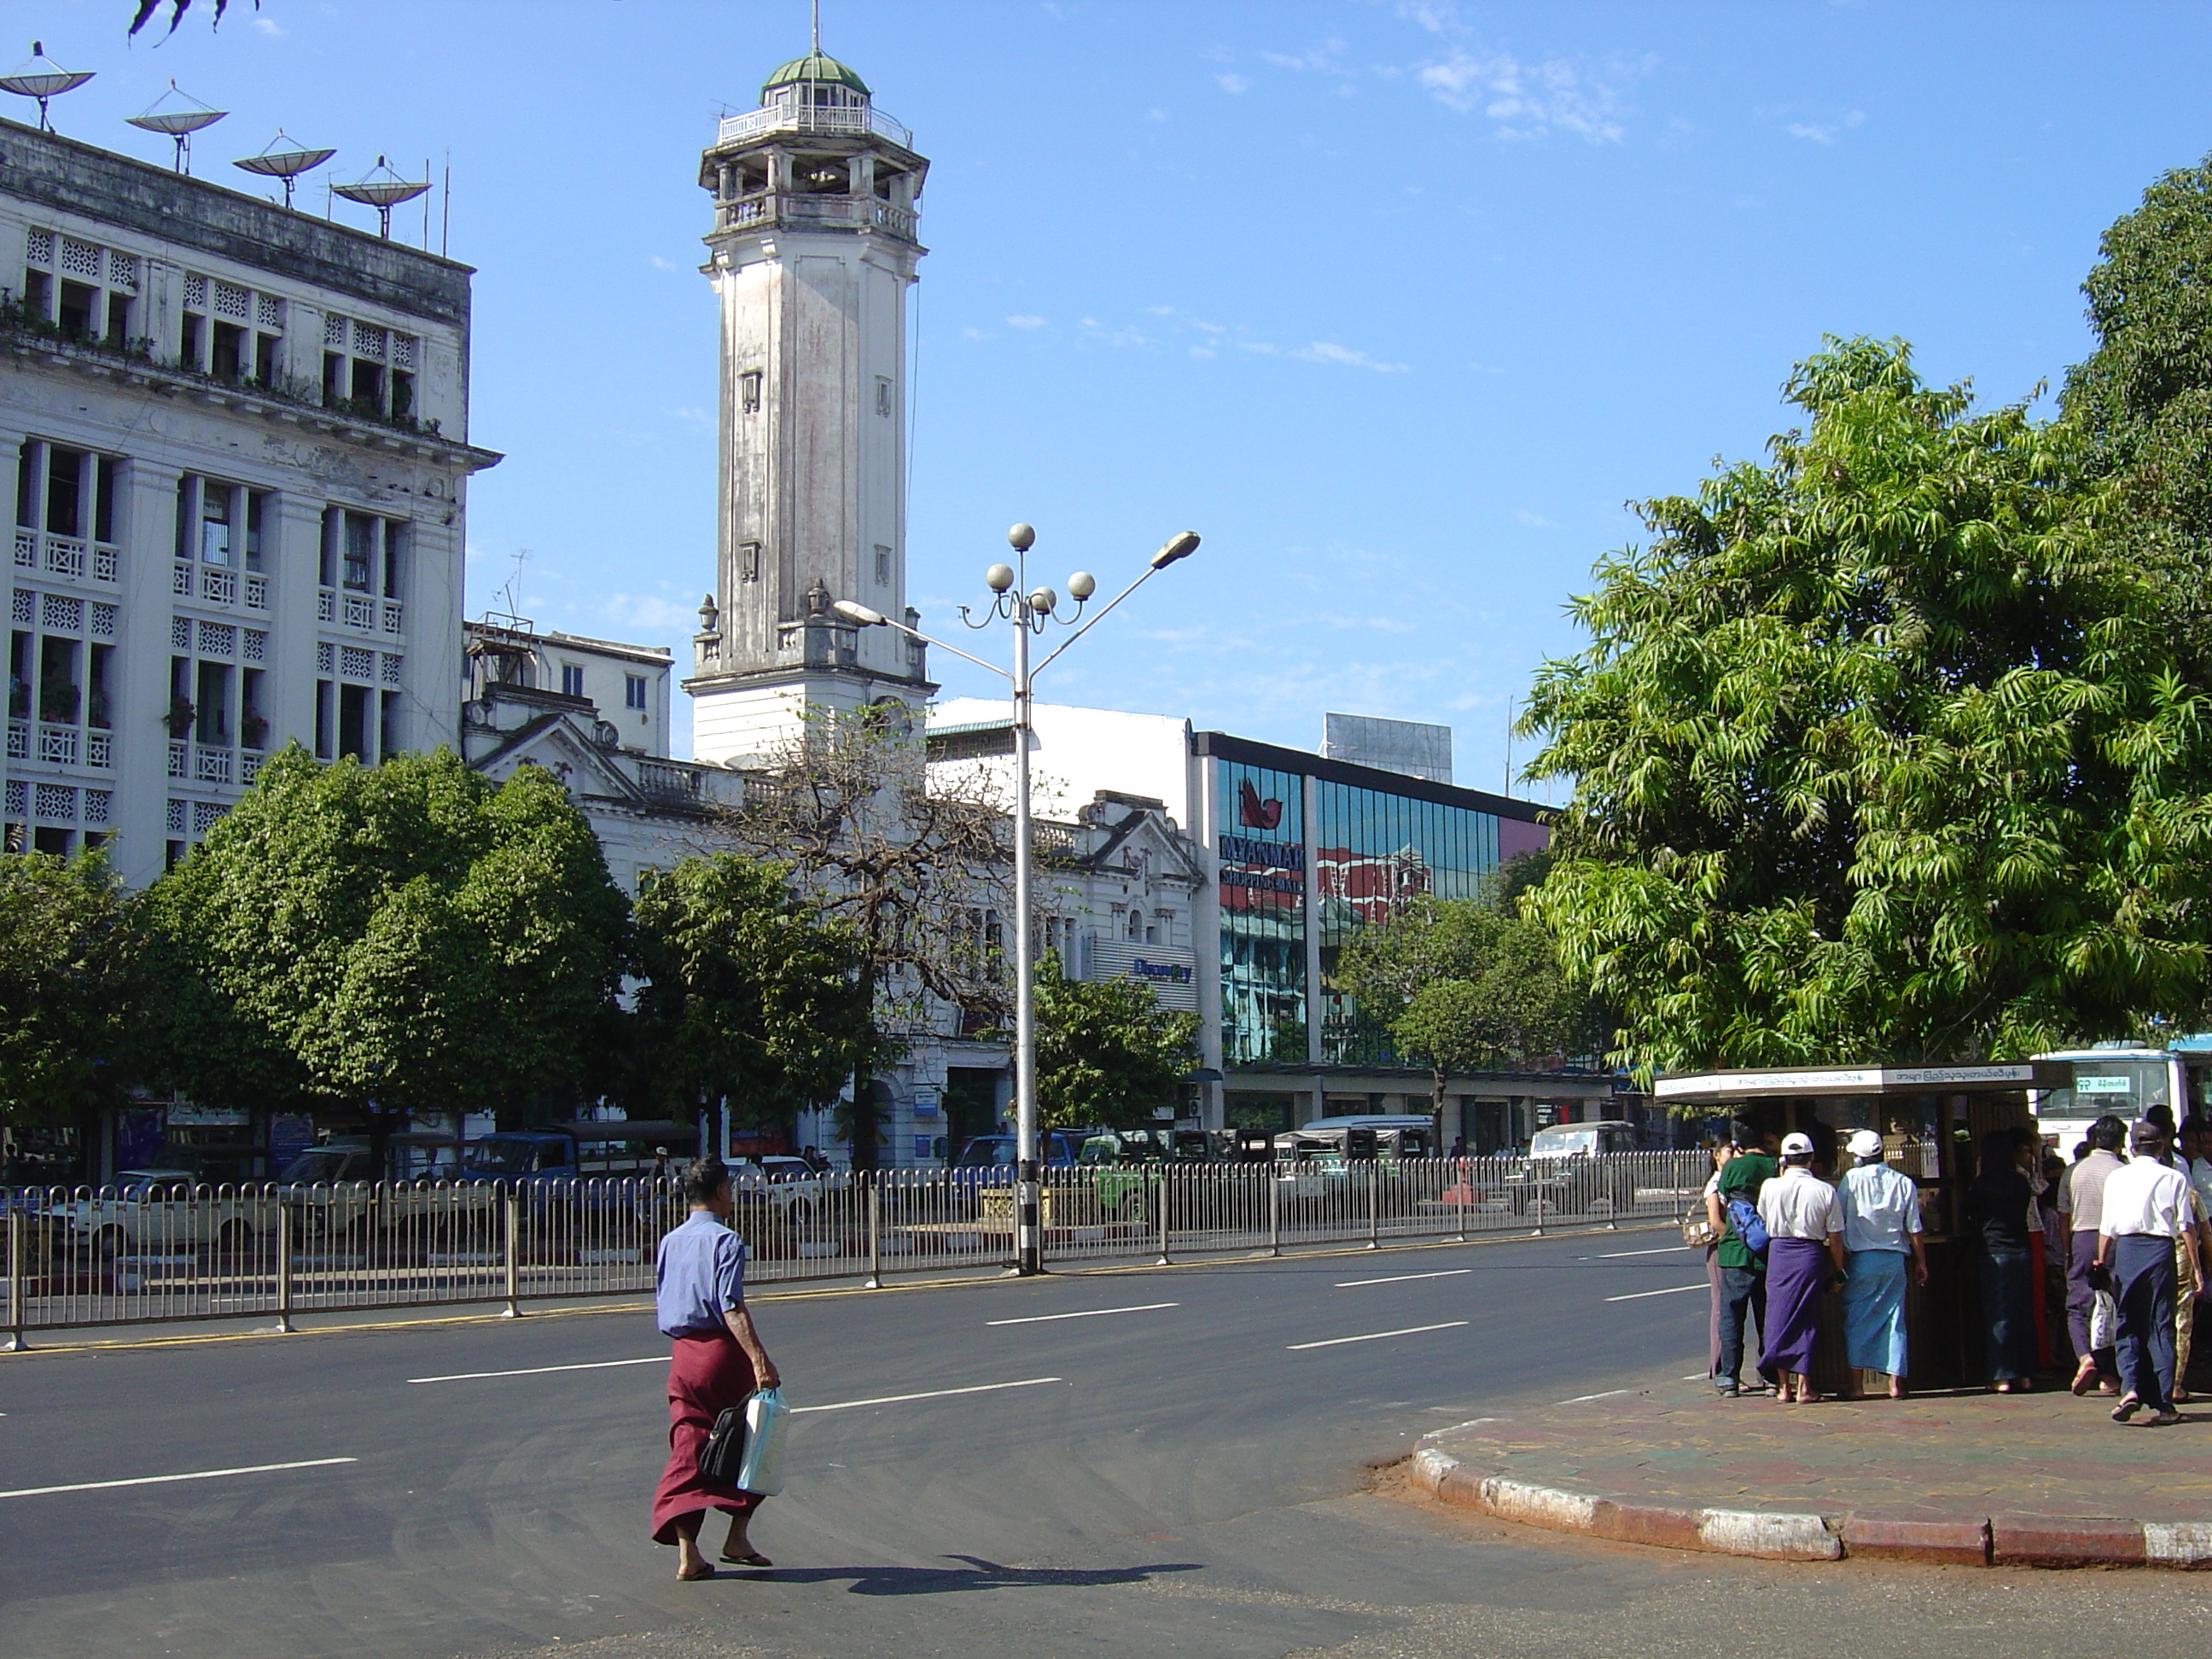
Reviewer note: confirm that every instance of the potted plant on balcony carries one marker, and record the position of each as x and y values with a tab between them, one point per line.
180	717
252	728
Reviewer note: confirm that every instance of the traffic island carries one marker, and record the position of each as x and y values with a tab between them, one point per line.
1957	1478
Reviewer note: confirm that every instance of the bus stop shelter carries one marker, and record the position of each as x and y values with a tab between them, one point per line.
1932	1120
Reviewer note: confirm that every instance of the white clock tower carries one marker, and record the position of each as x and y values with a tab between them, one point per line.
813	248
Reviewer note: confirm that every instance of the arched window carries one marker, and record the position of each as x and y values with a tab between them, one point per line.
1136	926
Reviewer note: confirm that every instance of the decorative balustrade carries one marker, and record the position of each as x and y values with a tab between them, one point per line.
211	765
19	740
180	579
99	749
218	586
360	610
257	593
326	606
841	118
67	556
393	615
57	744
181	759
853	212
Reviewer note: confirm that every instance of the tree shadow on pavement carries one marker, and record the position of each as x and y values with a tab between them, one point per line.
977	1575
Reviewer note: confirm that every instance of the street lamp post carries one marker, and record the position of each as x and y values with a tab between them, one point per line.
1030	609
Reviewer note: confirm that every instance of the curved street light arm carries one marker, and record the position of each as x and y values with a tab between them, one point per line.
915	633
1096	618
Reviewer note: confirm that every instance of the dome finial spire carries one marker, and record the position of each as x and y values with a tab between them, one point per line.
817	27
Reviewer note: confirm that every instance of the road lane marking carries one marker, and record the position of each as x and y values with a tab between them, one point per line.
1672	1290
1086	1313
1585	1399
1615	1255
164	1479
1399	1278
544	1371
1374	1336
933	1393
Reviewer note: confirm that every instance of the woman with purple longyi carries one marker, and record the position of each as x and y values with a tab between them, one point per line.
1806	1223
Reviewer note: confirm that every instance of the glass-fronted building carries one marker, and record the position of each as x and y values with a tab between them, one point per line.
1307	850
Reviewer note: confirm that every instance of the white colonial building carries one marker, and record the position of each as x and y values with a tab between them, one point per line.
240	450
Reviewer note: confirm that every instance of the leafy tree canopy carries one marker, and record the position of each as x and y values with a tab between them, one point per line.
2143	399
1878	751
69	987
1107	1053
1466	984
411	933
750	992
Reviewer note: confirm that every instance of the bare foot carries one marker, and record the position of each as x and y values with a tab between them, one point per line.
690	1563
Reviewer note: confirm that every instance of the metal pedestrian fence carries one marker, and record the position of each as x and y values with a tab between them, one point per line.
148	1252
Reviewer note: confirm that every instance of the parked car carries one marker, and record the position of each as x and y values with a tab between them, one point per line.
1571	1170
152	1211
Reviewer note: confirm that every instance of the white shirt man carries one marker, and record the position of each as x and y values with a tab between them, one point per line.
2147	1207
1798	1204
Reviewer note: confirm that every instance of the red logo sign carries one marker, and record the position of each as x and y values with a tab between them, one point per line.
1252	813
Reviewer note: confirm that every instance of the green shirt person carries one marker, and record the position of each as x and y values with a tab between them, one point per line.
1743	1275
1742	1178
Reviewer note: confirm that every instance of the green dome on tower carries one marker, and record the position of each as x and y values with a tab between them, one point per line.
816	66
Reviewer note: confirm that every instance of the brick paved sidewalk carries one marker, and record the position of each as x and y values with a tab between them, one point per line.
1937	1455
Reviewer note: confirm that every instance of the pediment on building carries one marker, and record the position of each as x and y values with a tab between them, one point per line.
555	742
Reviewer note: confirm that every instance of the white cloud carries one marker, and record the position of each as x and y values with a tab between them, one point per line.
1526	100
1026	322
659	264
1156	115
268	25
1534	520
1321	351
1327	58
1232	83
972	334
650	611
703	416
1824	135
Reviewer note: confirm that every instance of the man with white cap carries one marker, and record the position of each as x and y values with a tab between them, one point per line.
1806	1223
1881	1228
2146	1209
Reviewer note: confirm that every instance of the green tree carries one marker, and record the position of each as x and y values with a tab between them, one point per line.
1878	751
1107	1053
410	934
749	994
1465	985
70	987
2143	400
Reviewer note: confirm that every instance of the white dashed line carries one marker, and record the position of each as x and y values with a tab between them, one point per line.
164	1479
1374	1336
1672	1290
933	1393
1399	1278
1086	1313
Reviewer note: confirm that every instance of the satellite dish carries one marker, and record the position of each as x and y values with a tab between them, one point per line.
179	123
383	194
31	81
287	163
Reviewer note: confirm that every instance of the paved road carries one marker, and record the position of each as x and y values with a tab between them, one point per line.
1176	1469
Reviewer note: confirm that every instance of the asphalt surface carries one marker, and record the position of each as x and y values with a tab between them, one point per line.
1181	1478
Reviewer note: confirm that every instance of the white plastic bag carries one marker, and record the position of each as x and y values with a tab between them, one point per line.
2103	1321
761	1472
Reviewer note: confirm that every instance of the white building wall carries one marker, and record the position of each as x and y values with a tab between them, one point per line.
1077	753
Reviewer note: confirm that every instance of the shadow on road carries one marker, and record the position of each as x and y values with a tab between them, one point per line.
978	1575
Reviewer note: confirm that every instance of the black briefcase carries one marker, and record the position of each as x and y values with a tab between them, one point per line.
724	1453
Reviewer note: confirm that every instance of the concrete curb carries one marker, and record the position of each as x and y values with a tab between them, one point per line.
2035	1541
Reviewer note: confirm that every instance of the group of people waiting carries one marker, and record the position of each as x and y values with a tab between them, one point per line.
1781	1237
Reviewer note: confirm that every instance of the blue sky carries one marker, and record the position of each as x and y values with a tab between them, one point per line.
1397	304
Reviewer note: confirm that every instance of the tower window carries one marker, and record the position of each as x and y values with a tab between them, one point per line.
749	391
883	567
572	679
634	690
749	561
882	394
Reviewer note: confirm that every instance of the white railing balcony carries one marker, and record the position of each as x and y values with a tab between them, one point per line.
326	606
180	579
58	745
211	765
360	610
67	556
218	586
19	740
844	119
249	767
394	613
833	212
181	759
257	593
99	749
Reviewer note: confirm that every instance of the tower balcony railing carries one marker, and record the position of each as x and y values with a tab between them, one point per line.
869	123
856	212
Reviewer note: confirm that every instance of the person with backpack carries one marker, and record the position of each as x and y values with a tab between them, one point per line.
1742	1256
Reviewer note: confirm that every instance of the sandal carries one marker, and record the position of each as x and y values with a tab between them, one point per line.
705	1571
749	1558
2084	1378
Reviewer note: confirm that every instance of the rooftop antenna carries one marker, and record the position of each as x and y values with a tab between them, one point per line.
31	81
383	194
178	123
284	157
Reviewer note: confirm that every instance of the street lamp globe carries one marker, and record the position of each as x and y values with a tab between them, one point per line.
1022	537
1082	585
999	578
1042	600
